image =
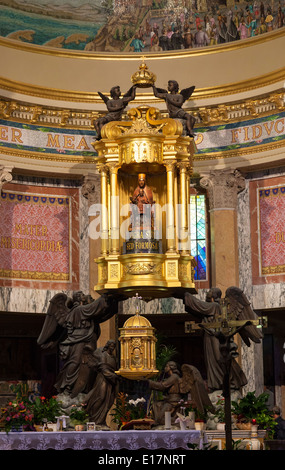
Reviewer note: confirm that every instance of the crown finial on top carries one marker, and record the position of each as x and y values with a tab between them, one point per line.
143	78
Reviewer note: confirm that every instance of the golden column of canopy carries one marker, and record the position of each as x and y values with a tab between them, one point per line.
138	355
145	143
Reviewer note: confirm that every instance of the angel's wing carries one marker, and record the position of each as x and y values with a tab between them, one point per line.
239	307
193	382
187	92
52	328
103	97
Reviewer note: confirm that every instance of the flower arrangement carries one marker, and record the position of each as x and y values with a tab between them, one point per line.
187	407
200	417
78	414
17	414
127	410
252	410
46	409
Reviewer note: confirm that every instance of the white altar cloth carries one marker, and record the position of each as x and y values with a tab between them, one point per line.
101	440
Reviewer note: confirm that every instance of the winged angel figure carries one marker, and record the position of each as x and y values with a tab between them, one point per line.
174	101
115	106
175	386
209	311
74	326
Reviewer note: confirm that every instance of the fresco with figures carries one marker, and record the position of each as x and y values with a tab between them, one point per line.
137	25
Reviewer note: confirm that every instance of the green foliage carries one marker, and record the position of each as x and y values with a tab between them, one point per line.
46	408
201	416
250	406
236	444
164	354
78	414
267	422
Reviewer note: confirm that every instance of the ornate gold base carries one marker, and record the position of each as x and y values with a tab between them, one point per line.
137	375
148	274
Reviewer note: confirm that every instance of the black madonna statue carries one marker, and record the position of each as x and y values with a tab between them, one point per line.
174	101
142	196
115	106
73	325
143	231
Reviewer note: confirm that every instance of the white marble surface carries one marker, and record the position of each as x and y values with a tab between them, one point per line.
155	306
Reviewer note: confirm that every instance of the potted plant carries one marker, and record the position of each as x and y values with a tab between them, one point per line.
249	408
45	410
188	409
200	420
17	416
78	417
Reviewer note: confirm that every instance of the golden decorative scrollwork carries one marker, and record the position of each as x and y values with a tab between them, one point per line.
229	112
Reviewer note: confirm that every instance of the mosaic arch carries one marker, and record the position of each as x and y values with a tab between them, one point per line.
137	25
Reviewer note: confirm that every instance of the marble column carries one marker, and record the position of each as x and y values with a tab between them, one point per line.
91	190
222	188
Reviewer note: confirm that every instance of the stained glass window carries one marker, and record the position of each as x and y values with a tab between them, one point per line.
198	235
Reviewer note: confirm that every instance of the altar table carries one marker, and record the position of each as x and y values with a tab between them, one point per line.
101	440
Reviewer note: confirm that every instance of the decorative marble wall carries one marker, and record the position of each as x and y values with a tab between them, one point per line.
32	296
271	292
155	306
266	295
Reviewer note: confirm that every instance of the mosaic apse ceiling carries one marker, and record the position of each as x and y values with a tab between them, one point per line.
136	25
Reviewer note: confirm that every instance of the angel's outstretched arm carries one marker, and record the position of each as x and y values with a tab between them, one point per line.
159	92
130	94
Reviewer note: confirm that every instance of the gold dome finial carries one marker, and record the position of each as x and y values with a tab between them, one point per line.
143	78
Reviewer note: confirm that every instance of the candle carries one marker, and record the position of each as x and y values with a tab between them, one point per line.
167	424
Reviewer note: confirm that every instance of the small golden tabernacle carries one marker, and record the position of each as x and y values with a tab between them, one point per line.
138	356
